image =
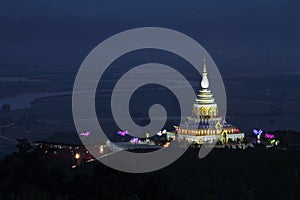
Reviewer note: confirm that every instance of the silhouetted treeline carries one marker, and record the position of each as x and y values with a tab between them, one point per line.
223	174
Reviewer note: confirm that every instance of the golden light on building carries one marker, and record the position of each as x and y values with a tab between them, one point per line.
205	124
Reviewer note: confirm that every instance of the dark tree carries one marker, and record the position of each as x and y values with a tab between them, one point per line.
23	146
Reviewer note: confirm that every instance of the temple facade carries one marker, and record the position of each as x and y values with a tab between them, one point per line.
205	125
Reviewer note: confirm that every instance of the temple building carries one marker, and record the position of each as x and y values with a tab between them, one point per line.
205	125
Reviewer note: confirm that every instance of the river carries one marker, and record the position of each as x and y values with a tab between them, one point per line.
22	101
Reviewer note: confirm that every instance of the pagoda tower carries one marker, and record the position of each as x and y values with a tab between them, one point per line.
205	125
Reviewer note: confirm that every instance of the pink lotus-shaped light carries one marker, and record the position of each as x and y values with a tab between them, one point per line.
86	134
123	133
269	136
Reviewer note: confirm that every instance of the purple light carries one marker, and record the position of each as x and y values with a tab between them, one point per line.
257	132
269	136
85	134
123	133
134	140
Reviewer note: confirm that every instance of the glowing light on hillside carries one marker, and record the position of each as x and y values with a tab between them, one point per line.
86	134
160	133
258	132
101	149
122	133
134	140
167	144
269	136
77	155
273	141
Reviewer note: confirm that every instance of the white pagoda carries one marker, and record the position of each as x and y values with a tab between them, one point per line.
205	125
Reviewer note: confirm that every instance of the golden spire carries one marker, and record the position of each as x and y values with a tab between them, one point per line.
204	65
204	82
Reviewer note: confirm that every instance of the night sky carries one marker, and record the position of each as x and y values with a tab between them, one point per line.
233	32
256	39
